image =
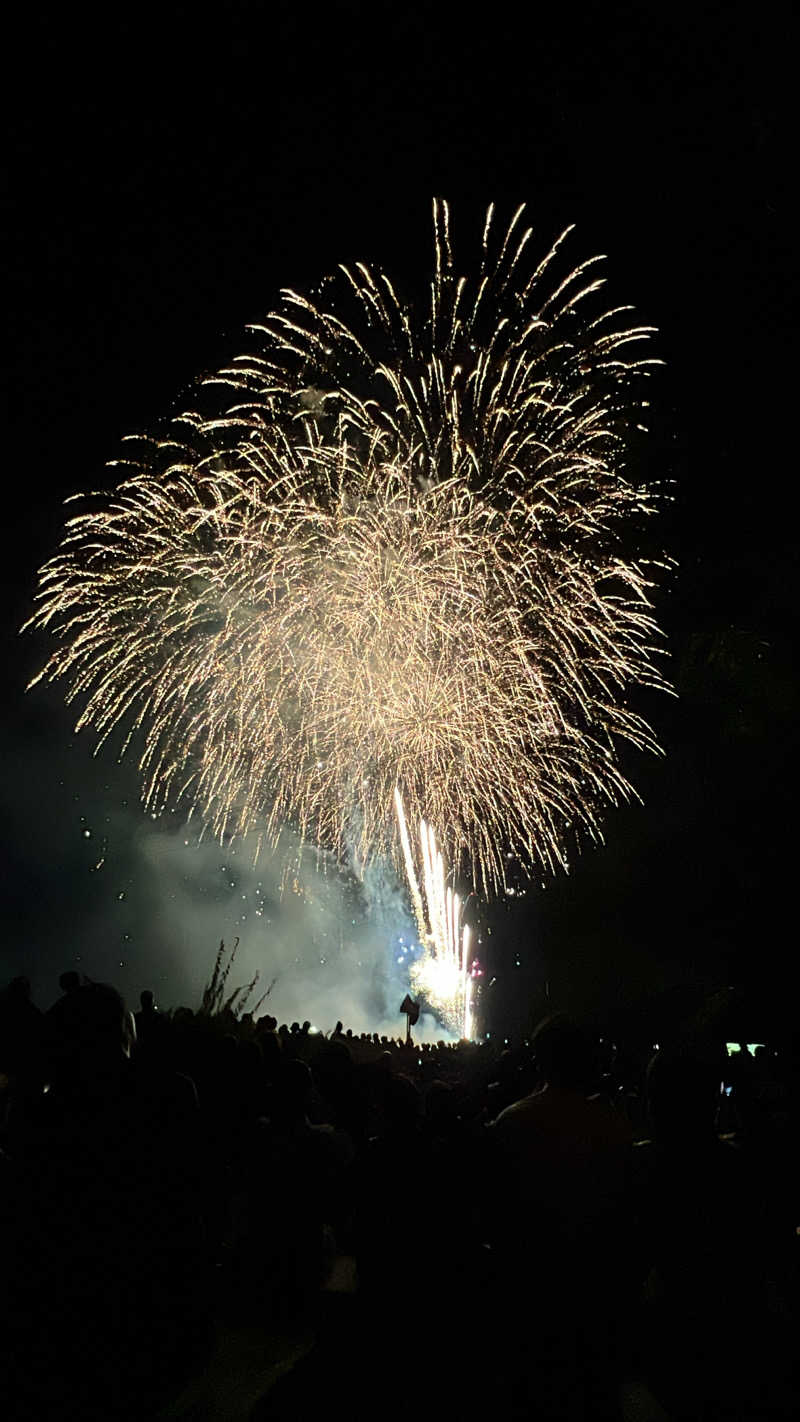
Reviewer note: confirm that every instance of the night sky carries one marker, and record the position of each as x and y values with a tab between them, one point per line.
168	178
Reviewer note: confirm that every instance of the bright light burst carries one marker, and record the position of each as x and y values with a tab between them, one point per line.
392	554
442	973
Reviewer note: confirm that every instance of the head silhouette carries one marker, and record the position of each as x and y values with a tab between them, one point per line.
94	1025
401	1103
683	1093
293	1090
441	1105
563	1053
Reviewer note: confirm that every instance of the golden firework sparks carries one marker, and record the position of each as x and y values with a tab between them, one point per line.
390	558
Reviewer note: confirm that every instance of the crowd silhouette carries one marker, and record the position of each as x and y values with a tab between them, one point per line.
554	1229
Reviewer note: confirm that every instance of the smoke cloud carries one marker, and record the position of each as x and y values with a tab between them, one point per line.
337	947
93	883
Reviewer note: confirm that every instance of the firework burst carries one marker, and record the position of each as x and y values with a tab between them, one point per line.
391	556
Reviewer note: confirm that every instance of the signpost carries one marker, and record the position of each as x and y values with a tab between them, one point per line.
411	1010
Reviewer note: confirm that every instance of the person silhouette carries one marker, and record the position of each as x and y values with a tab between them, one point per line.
702	1239
557	1208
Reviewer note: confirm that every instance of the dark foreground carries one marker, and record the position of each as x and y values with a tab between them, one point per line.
215	1218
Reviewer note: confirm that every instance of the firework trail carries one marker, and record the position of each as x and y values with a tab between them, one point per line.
386	551
442	973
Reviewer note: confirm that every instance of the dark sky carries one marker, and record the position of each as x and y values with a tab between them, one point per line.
168	177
